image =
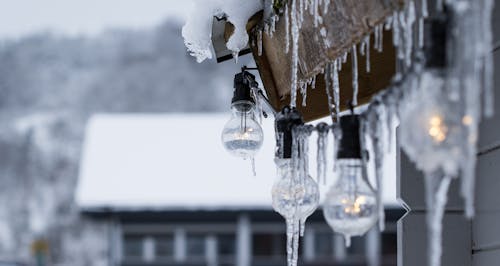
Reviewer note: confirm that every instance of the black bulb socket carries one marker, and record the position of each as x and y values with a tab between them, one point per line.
350	145
243	88
436	29
285	121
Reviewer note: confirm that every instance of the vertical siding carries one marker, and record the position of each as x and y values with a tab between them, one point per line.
412	229
475	242
486	224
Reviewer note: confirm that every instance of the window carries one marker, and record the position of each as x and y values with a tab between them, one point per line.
195	247
133	246
226	249
164	246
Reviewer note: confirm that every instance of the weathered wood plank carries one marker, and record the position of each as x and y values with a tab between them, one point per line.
346	23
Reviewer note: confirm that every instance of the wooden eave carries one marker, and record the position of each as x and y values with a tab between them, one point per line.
346	23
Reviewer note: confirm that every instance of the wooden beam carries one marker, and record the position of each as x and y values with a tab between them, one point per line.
346	23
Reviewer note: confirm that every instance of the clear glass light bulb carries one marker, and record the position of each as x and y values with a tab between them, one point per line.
350	206
242	136
294	198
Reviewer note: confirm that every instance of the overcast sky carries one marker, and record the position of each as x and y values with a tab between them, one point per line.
22	17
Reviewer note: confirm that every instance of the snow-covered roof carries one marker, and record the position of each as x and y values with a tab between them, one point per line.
176	162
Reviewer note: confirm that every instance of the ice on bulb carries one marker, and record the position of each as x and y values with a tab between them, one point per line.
242	136
434	132
350	207
294	198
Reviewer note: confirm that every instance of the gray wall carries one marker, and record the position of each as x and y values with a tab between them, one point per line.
486	224
475	242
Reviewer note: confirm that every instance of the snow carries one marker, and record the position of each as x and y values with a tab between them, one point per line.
197	32
176	162
172	162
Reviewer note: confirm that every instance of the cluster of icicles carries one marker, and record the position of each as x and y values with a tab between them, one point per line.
437	109
296	194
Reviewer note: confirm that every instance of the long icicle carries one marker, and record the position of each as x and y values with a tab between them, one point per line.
328	82
287	31
295	53
354	76
436	190
336	89
367	44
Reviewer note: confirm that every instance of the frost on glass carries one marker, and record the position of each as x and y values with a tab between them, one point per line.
350	207
295	194
242	136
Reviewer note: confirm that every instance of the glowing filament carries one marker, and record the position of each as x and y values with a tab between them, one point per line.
437	128
353	207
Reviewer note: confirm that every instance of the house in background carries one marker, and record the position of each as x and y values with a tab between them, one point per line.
169	194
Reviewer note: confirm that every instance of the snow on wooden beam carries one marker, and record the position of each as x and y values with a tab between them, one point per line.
346	23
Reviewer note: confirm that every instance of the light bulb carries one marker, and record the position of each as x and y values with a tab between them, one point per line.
294	198
434	132
350	207
242	136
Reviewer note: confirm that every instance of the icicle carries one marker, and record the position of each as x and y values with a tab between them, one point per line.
388	23
436	190
347	240
468	183
337	134
313	82
336	90
328	82
326	3
344	57
289	240
378	151
287	31
425	11
381	39
302	227
295	53
354	76
315	13
421	33
395	29
488	58
321	151
301	11
295	253
402	48
235	56
376	38
303	92
410	20
252	162
259	43
362	48
367	42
